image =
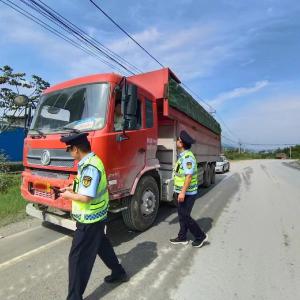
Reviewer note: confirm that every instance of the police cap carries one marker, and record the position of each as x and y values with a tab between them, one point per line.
75	139
186	138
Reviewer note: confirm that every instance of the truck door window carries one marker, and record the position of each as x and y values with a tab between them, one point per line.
136	123
149	114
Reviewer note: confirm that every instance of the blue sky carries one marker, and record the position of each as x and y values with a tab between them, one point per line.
240	56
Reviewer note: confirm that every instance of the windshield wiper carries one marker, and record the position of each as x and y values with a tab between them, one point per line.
68	128
71	129
40	133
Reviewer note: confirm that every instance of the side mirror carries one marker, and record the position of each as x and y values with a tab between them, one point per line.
129	105
21	100
132	100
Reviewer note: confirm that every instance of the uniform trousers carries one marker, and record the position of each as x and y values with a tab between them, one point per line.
89	240
186	221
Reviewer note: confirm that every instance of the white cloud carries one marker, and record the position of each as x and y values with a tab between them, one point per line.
248	62
222	98
52	49
192	52
273	120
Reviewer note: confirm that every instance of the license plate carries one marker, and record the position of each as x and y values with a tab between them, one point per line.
42	186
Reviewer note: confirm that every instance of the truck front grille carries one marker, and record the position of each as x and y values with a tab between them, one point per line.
58	158
50	174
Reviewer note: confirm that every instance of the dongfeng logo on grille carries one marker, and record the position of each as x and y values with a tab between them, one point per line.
45	158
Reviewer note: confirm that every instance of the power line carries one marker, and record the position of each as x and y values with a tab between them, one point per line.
79	32
59	34
92	43
228	129
84	45
147	52
212	111
84	38
78	35
211	108
290	144
124	31
258	144
225	137
91	38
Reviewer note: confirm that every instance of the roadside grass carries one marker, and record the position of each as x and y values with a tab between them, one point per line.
233	154
246	156
12	205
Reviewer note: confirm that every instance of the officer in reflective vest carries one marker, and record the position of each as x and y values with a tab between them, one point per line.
186	188
90	199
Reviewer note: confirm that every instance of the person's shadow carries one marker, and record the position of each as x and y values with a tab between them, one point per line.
206	225
133	262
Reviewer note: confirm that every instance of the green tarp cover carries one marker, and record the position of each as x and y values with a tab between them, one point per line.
180	99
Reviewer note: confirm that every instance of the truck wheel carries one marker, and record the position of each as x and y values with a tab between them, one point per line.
143	205
206	177
213	174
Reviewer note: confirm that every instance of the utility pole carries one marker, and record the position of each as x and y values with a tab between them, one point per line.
290	152
240	146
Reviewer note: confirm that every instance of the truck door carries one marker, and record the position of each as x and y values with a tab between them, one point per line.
128	152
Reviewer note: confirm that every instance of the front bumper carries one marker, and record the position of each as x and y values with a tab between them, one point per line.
44	198
219	169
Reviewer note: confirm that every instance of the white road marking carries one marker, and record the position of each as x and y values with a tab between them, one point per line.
21	232
161	275
34	251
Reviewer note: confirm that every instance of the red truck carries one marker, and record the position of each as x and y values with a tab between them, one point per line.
138	159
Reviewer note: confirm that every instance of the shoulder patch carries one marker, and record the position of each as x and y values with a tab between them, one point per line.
86	181
189	165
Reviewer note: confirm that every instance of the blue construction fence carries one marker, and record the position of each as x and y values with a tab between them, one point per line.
11	143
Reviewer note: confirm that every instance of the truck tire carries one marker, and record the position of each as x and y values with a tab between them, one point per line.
212	174
206	177
143	205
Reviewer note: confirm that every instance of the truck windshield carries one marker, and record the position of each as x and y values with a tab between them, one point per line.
81	107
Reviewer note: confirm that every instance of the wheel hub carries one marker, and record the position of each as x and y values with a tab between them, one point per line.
148	203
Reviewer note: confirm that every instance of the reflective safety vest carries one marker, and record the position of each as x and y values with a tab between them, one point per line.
96	209
179	176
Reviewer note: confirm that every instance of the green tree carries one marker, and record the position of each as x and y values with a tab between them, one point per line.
13	84
295	151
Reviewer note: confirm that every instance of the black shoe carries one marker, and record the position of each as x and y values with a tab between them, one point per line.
123	277
179	241
199	242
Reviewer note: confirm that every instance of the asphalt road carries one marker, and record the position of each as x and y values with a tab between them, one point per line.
252	218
